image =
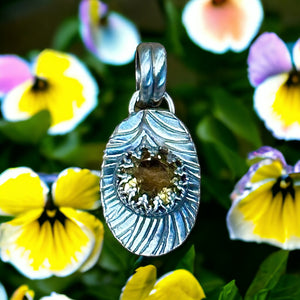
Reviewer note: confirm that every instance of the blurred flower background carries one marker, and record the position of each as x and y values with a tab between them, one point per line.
213	96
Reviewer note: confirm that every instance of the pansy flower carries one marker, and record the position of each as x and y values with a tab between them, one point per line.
51	232
55	296
13	71
56	82
23	293
108	35
275	73
266	201
179	284
222	25
3	295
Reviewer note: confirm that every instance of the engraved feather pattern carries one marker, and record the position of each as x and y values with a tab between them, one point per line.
163	228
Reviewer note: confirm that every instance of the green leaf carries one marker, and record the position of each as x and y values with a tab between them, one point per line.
230	292
70	150
29	131
65	34
287	288
268	274
236	117
261	295
188	260
174	21
214	187
212	131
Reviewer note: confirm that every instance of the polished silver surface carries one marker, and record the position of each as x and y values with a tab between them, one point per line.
150	177
135	97
141	225
151	73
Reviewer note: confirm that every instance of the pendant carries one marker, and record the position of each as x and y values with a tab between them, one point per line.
150	177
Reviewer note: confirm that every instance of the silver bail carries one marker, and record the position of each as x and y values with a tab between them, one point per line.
150	73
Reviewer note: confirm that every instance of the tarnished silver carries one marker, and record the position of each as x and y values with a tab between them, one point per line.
150	177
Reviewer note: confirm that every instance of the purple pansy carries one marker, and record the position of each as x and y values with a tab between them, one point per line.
108	35
275	73
13	71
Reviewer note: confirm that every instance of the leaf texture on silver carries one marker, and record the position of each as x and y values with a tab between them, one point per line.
144	224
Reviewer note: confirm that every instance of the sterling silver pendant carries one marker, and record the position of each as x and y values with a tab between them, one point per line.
150	178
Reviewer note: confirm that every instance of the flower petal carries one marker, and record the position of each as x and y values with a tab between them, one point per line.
73	83
53	247
296	55
113	42
95	227
77	188
3	294
275	104
13	104
139	284
90	14
179	284
13	71
21	190
55	296
268	208
267	170
268	56
23	292
268	164
62	85
231	24
262	217
267	152
117	40
297	167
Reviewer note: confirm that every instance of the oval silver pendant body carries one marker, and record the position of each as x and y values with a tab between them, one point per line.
150	182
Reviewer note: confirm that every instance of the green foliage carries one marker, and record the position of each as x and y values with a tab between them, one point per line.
230	292
212	96
235	116
268	275
188	260
212	131
29	131
66	34
287	288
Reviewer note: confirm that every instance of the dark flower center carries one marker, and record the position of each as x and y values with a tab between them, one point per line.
39	85
294	79
285	186
51	216
51	212
218	2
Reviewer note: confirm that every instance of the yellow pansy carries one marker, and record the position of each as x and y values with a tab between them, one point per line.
23	292
177	285
51	233
266	202
61	84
